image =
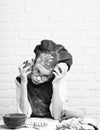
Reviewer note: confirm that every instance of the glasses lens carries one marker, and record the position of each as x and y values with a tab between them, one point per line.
36	72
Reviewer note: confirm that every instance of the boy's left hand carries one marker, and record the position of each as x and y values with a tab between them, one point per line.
60	72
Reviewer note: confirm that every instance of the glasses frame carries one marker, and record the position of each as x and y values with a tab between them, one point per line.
36	72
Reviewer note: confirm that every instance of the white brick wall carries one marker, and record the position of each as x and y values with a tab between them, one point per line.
73	23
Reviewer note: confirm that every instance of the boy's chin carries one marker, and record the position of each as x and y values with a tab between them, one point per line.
35	82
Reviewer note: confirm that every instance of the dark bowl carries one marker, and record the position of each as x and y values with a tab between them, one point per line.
14	120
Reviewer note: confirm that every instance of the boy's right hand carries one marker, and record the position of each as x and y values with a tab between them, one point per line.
24	70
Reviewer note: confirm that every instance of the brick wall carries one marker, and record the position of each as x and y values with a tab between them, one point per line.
73	23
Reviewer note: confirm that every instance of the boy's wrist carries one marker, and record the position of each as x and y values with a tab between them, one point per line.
55	87
24	80
24	83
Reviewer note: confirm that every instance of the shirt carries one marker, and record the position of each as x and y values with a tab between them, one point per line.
39	97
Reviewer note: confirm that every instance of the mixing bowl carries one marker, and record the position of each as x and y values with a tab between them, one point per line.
14	120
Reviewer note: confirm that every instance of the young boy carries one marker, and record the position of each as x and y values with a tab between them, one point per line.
42	80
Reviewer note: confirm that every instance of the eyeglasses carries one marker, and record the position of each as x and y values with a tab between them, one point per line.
37	73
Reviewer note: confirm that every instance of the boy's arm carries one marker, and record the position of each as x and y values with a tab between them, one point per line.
56	105
58	83
23	105
68	113
24	70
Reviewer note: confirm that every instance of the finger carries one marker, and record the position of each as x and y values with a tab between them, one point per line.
63	67
55	73
28	72
60	70
26	65
25	62
21	66
30	61
58	75
27	69
57	70
22	69
19	69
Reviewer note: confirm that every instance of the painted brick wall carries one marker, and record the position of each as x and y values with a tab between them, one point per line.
73	23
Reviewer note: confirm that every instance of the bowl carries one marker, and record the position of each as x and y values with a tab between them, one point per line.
14	120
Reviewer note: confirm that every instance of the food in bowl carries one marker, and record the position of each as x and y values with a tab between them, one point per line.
14	120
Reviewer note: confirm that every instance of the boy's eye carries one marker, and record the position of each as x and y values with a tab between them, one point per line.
38	71
46	76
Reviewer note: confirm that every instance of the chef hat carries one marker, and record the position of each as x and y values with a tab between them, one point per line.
49	54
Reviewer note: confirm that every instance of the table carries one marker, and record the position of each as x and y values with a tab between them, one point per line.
40	123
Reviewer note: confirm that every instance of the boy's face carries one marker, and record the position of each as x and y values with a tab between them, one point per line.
40	74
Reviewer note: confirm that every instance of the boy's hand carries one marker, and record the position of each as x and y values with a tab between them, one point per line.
60	72
24	70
